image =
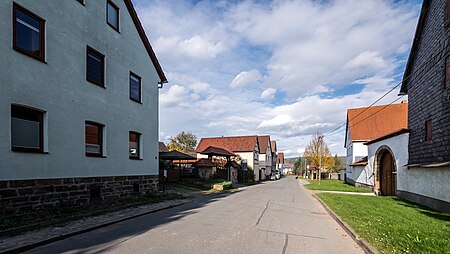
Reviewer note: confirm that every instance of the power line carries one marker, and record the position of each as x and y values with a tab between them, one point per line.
362	120
367	108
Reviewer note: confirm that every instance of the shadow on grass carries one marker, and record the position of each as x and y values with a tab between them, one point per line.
424	210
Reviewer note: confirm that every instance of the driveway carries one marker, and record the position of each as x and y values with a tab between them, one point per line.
272	217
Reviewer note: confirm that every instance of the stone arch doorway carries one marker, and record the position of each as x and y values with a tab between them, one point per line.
387	173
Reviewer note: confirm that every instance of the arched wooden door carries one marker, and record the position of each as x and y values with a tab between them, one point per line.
387	174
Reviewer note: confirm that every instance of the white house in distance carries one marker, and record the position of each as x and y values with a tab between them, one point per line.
247	147
79	103
366	124
265	156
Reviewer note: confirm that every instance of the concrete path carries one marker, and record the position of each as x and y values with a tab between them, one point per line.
273	217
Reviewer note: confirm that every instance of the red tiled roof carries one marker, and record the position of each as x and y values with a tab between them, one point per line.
204	163
211	150
280	158
387	136
376	121
273	145
163	147
363	161
233	144
263	143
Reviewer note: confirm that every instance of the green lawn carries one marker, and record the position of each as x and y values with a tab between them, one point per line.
393	225
333	185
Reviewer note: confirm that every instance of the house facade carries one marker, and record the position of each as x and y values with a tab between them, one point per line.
427	84
364	125
265	156
273	146
246	147
79	103
280	162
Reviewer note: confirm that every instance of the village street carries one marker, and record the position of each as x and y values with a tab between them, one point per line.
272	217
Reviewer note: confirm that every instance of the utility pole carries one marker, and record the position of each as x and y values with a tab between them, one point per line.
320	155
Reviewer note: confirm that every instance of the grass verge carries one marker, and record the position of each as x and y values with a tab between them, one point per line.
391	224
333	185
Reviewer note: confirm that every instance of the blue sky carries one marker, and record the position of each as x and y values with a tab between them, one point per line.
283	68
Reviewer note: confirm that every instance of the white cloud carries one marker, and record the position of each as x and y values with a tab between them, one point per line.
269	93
246	78
226	61
199	47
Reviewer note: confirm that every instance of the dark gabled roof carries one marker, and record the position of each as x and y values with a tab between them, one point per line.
217	151
148	47
163	147
204	163
175	155
415	45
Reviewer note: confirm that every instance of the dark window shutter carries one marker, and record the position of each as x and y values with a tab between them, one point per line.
428	130
447	72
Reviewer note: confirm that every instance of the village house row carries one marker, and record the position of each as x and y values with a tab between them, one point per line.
404	149
79	103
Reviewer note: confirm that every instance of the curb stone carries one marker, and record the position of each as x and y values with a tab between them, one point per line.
30	246
369	249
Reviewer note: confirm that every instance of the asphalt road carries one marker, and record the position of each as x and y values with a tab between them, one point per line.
272	217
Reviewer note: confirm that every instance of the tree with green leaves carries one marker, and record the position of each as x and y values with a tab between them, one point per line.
299	165
183	142
338	164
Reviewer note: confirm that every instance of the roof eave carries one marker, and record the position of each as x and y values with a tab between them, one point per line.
146	42
412	53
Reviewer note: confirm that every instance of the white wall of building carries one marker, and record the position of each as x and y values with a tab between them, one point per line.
59	87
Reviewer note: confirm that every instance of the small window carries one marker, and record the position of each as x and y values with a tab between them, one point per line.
26	129
28	33
134	143
447	72
94	139
81	1
447	13
95	67
428	130
135	87
112	15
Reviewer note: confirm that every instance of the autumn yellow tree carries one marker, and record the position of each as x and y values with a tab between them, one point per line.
318	148
183	142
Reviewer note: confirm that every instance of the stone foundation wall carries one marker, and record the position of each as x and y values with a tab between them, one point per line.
19	197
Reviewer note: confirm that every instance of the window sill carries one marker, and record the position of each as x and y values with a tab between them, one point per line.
135	158
96	83
114	28
95	155
27	150
137	101
24	52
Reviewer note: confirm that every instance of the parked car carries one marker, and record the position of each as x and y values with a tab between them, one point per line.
272	177
277	175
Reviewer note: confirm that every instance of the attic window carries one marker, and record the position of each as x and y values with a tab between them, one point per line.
112	15
447	13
